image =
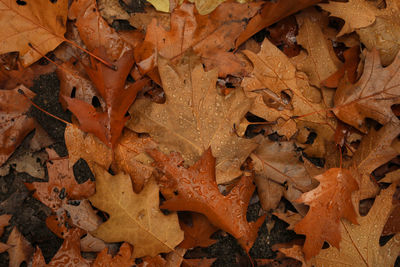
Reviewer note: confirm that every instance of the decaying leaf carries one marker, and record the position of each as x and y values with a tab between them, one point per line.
134	218
111	10
20	249
40	23
195	117
372	96
210	36
195	189
4	221
360	243
122	259
61	184
329	202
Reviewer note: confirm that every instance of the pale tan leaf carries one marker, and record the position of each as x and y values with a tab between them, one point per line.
20	249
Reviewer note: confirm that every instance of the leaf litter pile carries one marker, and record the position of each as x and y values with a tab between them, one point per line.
154	133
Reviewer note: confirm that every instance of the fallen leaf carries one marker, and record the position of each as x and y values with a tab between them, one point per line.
289	217
374	150
329	202
360	243
197	231
20	249
372	96
270	13
92	244
134	218
122	259
61	184
82	215
160	5
15	125
205	7
130	157
40	23
69	253
198	262
153	261
4	221
141	20
195	117
112	10
320	61
279	91
195	189
294	252
107	125
210	36
392	225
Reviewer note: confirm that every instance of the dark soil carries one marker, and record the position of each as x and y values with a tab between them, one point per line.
29	214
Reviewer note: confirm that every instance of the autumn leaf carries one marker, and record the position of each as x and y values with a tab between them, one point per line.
107	125
197	230
4	221
112	10
69	253
195	189
372	96
20	249
160	5
360	243
15	126
61	184
273	79
195	117
39	23
122	259
210	36
329	202
134	218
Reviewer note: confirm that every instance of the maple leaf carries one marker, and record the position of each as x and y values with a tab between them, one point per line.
69	253
210	36
61	184
107	125
40	23
14	124
122	259
196	190
20	249
329	202
360	243
134	218
378	28
274	78
372	96
197	231
195	117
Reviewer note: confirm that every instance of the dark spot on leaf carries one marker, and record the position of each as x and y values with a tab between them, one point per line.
96	102
73	92
21	2
53	1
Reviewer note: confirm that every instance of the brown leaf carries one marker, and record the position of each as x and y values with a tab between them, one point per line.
4	221
372	96
92	244
270	13
329	202
20	249
197	230
69	253
392	225
210	36
198	262
141	20
122	259
134	218
195	189
153	261
82	215
112	10
61	184
360	243
195	117
40	23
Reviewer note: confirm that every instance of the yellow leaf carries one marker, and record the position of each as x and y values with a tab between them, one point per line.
160	5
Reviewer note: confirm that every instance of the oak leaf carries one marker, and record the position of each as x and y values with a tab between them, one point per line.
20	249
273	79
360	243
40	23
134	218
107	125
210	36
61	184
198	230
329	202
122	259
372	96
195	189
15	125
69	254
112	10
4	221
195	117
160	5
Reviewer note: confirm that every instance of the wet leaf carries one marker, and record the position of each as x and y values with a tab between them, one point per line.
122	259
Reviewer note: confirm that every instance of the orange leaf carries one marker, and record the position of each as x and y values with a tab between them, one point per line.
108	124
210	36
61	184
197	231
195	189
122	259
329	202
